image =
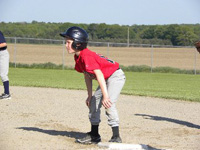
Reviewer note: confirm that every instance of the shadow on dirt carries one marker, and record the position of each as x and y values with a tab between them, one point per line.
70	134
158	118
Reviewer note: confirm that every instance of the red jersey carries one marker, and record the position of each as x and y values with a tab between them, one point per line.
88	61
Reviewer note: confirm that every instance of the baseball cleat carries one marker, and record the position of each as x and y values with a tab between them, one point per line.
115	139
5	96
89	139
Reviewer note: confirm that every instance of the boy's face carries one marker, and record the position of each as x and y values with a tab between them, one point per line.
69	46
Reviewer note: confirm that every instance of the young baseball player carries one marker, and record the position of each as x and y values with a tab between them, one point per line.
4	66
110	77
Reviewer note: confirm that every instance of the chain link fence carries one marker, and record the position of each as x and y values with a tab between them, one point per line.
36	51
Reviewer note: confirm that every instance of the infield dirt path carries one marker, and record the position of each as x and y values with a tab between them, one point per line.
51	119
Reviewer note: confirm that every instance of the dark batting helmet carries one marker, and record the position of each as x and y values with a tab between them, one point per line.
78	35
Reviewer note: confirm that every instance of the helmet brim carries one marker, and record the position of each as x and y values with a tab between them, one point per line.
63	34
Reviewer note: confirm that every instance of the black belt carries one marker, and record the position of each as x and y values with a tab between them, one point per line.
3	48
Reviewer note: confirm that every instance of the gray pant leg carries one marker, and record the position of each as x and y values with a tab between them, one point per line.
115	84
4	65
95	106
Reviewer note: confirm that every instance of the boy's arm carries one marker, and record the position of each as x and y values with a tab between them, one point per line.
88	82
102	83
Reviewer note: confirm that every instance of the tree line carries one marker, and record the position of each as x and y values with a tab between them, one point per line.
172	34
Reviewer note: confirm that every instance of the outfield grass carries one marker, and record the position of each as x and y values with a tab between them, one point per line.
170	86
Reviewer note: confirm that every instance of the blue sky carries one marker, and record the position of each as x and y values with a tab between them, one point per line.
122	12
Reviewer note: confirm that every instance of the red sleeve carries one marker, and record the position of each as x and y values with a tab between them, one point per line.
91	64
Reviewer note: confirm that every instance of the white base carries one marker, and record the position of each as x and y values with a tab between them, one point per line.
122	146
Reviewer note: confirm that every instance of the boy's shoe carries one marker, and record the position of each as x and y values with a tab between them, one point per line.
5	96
115	139
89	139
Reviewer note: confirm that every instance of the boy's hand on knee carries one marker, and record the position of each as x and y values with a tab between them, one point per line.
88	101
106	102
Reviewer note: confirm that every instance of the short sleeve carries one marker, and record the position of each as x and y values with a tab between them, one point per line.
91	63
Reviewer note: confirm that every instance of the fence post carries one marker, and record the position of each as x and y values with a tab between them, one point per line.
151	58
63	58
15	52
195	62
108	50
128	38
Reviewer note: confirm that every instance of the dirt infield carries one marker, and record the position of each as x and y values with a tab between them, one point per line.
51	119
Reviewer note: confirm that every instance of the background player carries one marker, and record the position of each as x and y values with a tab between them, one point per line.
110	77
197	45
4	67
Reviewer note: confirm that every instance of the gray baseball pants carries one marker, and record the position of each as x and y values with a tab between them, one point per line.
114	84
4	65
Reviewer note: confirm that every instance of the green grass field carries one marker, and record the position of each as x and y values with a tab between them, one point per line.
162	85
